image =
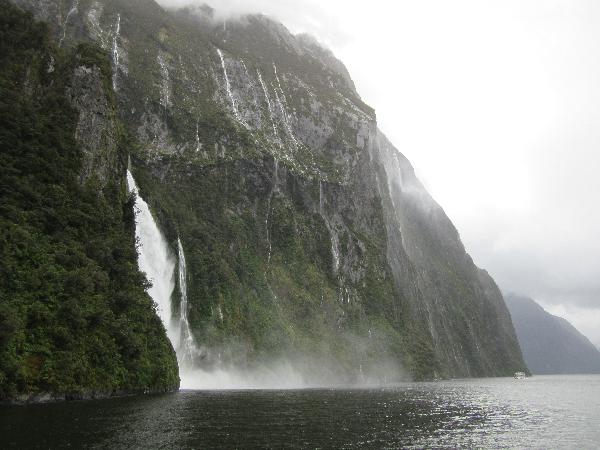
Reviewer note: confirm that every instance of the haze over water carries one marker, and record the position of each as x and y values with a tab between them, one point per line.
539	412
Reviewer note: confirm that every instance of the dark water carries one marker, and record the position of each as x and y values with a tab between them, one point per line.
540	412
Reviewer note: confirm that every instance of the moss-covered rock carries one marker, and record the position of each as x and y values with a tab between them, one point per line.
76	320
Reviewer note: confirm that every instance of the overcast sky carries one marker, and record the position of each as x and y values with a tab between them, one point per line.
497	105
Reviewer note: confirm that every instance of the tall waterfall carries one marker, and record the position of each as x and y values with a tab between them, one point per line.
156	260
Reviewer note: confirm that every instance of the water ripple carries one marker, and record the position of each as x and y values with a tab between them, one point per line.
541	412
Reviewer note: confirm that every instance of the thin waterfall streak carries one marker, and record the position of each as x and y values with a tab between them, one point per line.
228	88
115	51
269	106
187	350
245	68
72	11
198	145
283	107
267	228
335	251
165	89
321	197
269	210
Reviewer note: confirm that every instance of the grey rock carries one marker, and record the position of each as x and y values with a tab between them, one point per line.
97	132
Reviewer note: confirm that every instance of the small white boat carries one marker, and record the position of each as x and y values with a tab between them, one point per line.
520	375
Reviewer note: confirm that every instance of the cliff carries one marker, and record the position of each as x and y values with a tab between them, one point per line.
75	321
307	235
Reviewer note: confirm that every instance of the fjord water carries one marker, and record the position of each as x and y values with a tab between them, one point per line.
539	412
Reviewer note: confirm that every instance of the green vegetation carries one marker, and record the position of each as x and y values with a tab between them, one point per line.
74	315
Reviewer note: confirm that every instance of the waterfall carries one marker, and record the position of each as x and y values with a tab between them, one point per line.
165	86
115	51
198	144
335	251
156	260
186	345
335	242
286	121
228	88
245	68
270	108
268	215
72	11
267	228
321	197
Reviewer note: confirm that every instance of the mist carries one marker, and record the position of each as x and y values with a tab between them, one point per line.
298	373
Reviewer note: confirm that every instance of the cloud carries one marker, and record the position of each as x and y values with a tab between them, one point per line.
304	16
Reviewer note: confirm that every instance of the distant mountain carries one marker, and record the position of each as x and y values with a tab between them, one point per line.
550	344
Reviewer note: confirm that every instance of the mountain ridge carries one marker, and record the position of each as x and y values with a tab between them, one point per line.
550	344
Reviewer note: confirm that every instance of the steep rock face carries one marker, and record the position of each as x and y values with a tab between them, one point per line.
550	344
307	234
75	321
463	308
97	131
